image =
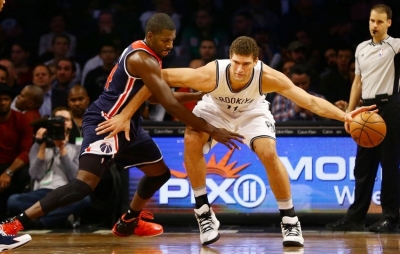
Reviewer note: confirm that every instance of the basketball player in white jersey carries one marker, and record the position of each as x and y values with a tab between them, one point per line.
235	100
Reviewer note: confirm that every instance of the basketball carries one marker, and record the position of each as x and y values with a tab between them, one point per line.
368	129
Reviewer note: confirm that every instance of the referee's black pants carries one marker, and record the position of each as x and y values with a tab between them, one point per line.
366	166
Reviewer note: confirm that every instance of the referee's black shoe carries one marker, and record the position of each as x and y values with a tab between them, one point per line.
345	225
383	226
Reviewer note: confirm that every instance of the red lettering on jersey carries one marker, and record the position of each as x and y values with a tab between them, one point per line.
109	79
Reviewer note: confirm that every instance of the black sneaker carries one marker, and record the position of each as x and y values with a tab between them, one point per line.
10	242
345	225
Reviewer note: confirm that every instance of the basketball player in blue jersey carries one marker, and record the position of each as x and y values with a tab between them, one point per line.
235	100
139	64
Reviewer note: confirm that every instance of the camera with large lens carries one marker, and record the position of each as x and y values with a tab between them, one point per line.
55	129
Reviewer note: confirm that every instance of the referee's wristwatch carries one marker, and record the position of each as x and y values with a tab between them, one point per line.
9	172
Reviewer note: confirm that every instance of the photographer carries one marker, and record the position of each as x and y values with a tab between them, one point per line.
54	162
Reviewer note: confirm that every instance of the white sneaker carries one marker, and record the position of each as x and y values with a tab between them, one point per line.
10	242
208	224
291	232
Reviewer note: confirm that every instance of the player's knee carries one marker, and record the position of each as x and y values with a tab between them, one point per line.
70	193
189	138
268	155
194	141
148	185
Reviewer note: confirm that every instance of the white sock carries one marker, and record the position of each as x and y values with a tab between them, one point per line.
285	204
200	191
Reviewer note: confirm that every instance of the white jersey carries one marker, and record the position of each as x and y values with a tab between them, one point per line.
245	112
235	103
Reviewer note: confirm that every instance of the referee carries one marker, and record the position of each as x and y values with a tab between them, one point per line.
377	82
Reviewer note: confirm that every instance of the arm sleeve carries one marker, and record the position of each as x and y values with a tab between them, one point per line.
37	167
70	162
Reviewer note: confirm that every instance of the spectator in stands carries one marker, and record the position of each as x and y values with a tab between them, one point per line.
12	74
96	78
52	164
242	25
208	53
78	102
15	142
336	85
20	54
204	27
269	53
297	52
91	64
261	15
188	11
65	75
284	109
53	98
287	66
57	26
3	74
105	30
302	14
161	6
61	45
330	61
29	101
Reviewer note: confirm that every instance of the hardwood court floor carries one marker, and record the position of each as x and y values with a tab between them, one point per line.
231	242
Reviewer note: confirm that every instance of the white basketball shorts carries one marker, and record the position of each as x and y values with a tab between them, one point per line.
252	124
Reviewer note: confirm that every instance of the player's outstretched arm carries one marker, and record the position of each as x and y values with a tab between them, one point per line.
121	121
143	65
201	79
181	97
149	71
274	81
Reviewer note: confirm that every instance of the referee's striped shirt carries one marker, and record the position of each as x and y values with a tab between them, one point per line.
378	64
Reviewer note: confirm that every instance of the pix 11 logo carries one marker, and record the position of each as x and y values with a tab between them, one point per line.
223	181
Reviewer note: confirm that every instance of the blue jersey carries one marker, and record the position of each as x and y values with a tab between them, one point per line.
121	86
118	91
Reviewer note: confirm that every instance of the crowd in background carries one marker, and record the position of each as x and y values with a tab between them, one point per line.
68	48
320	35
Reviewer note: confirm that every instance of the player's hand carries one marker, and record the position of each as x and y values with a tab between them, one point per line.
226	138
114	125
350	115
